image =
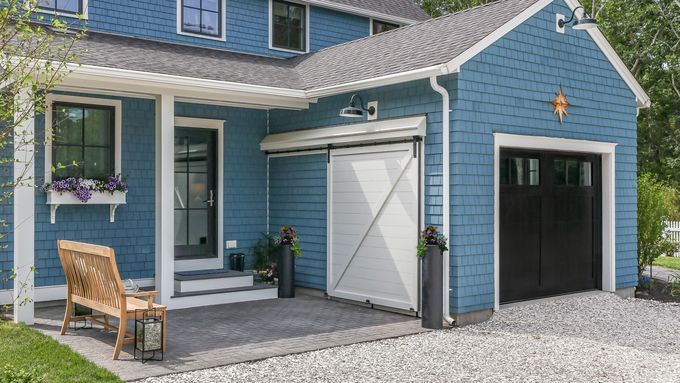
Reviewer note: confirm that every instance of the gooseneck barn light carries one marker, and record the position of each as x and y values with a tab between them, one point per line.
354	111
581	23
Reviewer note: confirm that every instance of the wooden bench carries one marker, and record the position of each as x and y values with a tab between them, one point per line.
93	281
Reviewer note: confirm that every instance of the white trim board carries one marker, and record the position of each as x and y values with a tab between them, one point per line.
208	263
608	152
371	131
51	98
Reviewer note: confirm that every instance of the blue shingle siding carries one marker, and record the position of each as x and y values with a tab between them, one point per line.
506	89
245	172
132	235
411	98
6	221
297	188
247	24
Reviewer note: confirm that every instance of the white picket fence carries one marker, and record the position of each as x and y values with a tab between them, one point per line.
673	230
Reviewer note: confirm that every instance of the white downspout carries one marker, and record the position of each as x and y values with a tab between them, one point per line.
446	122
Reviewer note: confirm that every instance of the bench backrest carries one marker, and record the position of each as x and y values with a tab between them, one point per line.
92	276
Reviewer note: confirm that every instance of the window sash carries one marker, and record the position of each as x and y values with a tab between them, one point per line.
202	12
55	8
291	31
83	167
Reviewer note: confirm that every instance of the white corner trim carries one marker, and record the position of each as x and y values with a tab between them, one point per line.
372	131
164	210
608	152
270	30
497	34
51	98
223	23
643	100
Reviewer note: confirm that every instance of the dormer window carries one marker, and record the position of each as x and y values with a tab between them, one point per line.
382	26
288	26
71	7
202	17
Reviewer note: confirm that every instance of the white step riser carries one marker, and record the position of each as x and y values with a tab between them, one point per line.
213	284
223	298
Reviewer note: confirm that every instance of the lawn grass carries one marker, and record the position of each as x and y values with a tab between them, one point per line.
668	262
23	347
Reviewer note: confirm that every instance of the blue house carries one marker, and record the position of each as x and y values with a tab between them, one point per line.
224	119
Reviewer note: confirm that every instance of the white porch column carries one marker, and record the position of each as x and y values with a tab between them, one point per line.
165	225
24	208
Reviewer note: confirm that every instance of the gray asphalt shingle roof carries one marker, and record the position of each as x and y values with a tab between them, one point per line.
407	9
417	46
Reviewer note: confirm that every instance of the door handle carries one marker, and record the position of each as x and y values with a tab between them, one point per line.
211	200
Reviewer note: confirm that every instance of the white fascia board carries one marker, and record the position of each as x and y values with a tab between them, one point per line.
397	78
360	11
372	131
643	100
496	35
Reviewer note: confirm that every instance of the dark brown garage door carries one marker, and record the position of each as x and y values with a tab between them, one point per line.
550	223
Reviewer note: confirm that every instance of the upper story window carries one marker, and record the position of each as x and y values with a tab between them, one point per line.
63	6
202	17
288	26
381	26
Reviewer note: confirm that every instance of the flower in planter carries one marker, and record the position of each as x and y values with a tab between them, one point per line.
431	237
268	275
82	188
288	237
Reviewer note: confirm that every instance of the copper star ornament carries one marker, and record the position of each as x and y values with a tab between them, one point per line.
560	105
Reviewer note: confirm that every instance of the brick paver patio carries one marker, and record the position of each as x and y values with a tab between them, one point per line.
219	335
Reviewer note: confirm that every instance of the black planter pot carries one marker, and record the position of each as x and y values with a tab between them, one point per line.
433	285
286	272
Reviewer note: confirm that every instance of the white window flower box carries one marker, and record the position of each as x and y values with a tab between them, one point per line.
55	199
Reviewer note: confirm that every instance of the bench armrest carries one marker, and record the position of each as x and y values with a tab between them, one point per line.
148	294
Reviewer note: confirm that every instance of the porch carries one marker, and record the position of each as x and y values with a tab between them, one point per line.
238	332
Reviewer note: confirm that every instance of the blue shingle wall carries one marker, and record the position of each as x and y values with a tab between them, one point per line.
245	172
506	89
6	220
246	25
394	101
298	198
132	235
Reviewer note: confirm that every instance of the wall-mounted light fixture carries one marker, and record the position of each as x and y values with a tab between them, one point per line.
354	111
581	23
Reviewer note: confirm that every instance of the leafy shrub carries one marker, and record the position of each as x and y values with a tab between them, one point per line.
264	252
653	210
674	281
11	374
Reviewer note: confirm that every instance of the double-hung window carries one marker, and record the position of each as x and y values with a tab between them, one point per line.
62	6
83	139
289	26
202	17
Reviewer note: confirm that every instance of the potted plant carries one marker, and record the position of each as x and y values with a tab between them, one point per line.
431	247
289	247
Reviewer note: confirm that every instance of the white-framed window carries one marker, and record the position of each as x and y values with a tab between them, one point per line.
288	26
69	8
202	18
85	131
378	26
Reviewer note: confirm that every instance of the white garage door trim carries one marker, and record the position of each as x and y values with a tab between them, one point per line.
409	273
608	152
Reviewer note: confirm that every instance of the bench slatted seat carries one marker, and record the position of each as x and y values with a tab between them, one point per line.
93	281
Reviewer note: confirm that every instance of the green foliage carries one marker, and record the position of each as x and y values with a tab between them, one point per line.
11	374
653	211
22	285
288	237
263	252
668	262
431	237
674	285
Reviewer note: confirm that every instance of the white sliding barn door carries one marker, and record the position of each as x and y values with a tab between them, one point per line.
373	225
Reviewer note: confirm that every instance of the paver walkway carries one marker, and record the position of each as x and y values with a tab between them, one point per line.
219	335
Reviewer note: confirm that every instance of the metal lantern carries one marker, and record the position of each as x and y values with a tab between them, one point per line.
149	334
79	315
237	261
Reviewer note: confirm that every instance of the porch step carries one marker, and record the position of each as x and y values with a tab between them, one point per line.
199	281
256	286
223	296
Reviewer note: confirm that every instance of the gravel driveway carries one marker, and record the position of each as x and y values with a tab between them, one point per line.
595	338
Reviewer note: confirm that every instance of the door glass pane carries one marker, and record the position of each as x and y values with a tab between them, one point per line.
534	176
198	190
97	127
181	222
180	191
197	156
505	178
560	172
586	174
517	171
68	125
573	173
97	163
181	154
198	227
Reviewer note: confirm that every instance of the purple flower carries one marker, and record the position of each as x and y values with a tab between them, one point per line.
83	193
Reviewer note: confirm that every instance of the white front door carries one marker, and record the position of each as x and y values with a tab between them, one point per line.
373	225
